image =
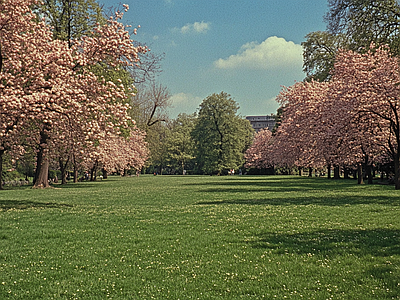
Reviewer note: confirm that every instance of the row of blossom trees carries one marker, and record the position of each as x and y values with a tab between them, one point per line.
51	100
350	121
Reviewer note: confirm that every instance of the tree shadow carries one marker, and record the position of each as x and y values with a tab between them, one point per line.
323	200
76	185
70	185
289	183
295	191
25	204
333	242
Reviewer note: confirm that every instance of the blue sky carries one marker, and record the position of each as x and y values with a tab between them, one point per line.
248	49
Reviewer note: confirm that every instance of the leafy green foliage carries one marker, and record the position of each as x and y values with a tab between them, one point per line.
352	25
319	52
179	143
221	136
189	237
155	138
71	19
364	21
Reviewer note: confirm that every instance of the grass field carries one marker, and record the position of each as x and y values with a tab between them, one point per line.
233	237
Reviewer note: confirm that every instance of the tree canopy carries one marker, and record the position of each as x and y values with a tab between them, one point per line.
351	25
221	136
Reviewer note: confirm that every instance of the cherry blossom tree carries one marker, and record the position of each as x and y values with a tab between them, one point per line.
49	85
15	24
369	83
297	141
350	121
259	153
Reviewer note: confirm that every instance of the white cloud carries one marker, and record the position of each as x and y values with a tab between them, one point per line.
196	27
273	53
184	103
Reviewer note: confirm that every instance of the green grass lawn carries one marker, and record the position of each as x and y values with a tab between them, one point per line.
201	237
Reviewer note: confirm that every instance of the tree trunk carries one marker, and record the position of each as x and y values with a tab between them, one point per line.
360	174
300	171
336	172
42	165
310	170
63	169
397	171
369	174
346	173
93	172
329	171
42	173
1	168
75	173
105	174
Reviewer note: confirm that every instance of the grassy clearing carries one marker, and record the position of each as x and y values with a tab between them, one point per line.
167	237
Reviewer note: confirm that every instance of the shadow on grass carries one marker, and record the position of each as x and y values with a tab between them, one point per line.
77	185
70	185
333	242
310	200
282	183
298	191
25	204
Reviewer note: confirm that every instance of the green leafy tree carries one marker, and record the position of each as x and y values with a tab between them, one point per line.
71	19
179	143
365	21
156	141
221	136
319	52
352	25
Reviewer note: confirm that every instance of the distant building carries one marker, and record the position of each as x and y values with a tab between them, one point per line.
261	122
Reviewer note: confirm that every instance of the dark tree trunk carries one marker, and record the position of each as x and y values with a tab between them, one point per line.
63	169
336	172
93	173
1	168
368	169
300	171
105	174
75	173
397	171
42	164
346	173
329	171
360	174
310	170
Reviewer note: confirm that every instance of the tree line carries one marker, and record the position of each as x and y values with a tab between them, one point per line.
77	93
346	114
211	141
